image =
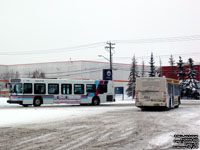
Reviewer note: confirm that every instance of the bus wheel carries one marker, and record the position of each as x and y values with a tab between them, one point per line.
179	102
176	106
95	101
37	102
170	104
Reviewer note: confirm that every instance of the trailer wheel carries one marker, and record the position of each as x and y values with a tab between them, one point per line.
95	101
37	102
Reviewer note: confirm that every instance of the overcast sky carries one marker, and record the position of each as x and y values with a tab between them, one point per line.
71	27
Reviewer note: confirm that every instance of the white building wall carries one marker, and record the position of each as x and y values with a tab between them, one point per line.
74	70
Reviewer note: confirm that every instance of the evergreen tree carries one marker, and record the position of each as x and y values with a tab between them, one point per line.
181	76
191	84
171	62
181	73
132	78
152	67
192	72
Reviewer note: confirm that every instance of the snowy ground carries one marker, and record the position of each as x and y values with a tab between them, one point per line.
14	114
114	126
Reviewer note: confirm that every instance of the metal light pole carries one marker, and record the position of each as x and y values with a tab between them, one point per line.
109	61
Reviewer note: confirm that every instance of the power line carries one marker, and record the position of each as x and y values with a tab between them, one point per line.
159	40
162	56
73	72
101	44
56	50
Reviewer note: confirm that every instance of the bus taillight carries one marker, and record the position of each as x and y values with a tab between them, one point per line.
164	96
136	95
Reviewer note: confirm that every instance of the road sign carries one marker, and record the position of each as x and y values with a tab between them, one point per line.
107	74
119	90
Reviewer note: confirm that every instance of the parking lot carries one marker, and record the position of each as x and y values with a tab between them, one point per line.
109	126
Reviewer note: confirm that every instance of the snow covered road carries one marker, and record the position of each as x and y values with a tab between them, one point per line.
115	126
14	114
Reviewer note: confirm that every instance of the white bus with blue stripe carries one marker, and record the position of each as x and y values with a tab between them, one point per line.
29	91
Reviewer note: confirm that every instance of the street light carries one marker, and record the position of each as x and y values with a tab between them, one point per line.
104	57
107	60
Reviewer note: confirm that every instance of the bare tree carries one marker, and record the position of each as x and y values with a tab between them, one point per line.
38	74
143	69
160	70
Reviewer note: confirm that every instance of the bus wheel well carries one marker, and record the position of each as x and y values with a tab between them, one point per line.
39	102
95	100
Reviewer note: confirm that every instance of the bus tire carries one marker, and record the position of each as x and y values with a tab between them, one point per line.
179	102
177	106
37	102
95	101
170	104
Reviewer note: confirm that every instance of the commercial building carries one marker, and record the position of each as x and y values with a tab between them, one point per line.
69	70
171	72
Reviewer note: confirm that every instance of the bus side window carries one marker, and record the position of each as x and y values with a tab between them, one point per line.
176	90
91	88
28	88
53	88
39	88
78	88
102	89
169	87
66	89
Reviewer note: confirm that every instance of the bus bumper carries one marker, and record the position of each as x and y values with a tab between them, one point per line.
138	104
14	102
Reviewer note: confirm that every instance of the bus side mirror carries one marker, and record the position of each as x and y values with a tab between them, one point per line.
7	85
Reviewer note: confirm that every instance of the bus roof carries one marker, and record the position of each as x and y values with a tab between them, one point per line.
168	80
47	80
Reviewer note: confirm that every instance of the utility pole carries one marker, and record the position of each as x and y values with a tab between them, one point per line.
110	48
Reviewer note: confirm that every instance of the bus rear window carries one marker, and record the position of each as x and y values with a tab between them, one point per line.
39	88
151	83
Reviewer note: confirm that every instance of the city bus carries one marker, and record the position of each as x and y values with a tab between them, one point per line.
29	91
157	92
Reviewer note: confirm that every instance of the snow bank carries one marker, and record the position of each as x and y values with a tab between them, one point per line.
3	101
162	141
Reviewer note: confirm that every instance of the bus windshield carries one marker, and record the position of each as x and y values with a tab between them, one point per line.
15	88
